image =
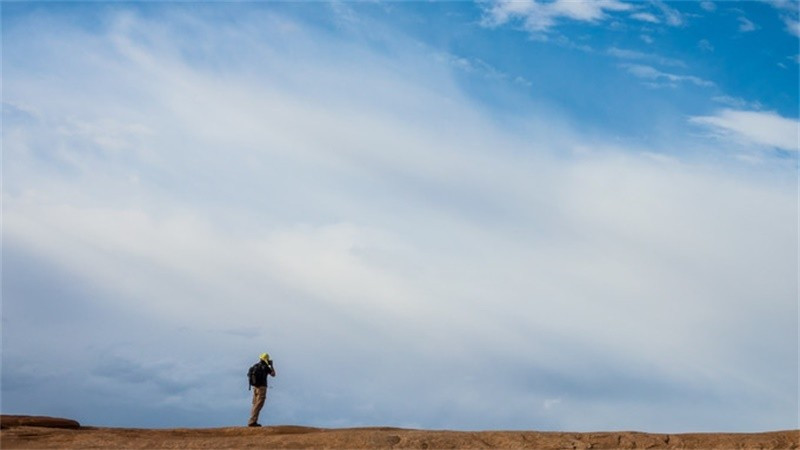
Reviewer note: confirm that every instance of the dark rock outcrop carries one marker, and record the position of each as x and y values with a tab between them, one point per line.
8	421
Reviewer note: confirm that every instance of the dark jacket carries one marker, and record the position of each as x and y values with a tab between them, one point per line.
258	373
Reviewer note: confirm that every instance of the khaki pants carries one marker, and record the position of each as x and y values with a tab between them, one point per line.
259	397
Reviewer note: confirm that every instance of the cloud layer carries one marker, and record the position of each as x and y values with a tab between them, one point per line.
539	16
754	127
182	193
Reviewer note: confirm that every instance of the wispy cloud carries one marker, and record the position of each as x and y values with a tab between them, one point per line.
792	25
642	56
783	4
479	67
538	16
672	16
645	17
708	5
753	127
663	79
737	103
745	25
705	45
790	13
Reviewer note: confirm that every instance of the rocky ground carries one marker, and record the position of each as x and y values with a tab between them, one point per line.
48	432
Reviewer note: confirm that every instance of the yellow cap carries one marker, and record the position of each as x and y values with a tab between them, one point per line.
264	356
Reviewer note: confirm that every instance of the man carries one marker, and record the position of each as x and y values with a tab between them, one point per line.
258	381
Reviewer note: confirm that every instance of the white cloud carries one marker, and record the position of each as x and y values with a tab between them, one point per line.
708	5
636	55
792	26
736	102
789	14
537	16
755	127
745	25
588	11
645	17
346	17
654	75
672	16
705	45
783	4
750	158
646	38
522	81
479	67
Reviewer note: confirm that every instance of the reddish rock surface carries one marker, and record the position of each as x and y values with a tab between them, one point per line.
24	435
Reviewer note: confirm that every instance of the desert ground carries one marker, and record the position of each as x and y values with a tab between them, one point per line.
49	432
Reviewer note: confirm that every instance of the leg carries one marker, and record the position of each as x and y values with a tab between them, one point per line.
259	396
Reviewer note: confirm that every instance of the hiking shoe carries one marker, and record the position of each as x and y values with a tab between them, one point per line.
253	424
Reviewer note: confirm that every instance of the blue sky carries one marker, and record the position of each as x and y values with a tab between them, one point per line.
493	215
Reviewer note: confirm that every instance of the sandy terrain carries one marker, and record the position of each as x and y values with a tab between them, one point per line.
46	432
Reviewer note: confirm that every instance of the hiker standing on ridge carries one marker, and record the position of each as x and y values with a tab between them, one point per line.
257	377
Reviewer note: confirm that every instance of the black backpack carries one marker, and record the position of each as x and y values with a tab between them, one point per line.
257	375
